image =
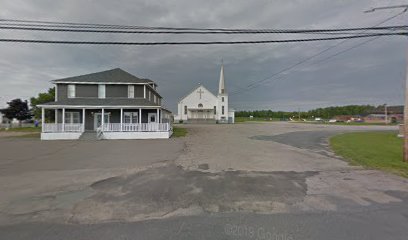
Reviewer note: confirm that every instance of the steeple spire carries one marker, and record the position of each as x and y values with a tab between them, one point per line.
222	81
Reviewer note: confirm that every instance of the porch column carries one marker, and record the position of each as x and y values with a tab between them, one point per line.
157	117
63	119
83	119
42	119
103	118
56	115
140	116
121	119
161	118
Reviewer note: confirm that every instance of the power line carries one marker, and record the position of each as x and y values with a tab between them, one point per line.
312	31
253	85
29	23
198	42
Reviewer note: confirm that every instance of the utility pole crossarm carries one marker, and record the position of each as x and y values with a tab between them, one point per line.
388	7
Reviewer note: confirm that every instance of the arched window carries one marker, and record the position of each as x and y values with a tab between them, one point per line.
200	105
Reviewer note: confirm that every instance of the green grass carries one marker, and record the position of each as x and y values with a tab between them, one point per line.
255	119
374	150
22	129
28	135
179	132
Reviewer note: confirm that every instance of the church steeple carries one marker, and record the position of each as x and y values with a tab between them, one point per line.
222	81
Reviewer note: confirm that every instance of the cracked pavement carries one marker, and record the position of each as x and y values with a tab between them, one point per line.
253	176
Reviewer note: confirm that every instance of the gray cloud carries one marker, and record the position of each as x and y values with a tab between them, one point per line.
370	74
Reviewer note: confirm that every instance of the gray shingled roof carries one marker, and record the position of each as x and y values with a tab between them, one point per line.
101	102
113	75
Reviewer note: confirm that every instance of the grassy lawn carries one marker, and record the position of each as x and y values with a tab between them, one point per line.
179	132
22	129
34	135
257	119
348	124
375	150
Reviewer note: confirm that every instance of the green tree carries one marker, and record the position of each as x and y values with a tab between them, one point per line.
42	98
17	109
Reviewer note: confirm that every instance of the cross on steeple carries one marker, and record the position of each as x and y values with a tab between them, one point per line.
200	92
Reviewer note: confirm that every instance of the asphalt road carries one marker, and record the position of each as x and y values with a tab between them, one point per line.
243	181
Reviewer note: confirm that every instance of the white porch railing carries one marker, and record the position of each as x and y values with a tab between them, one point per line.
59	127
136	127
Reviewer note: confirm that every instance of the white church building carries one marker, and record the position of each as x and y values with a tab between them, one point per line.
202	106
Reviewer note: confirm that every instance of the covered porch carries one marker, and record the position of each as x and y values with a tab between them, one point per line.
107	123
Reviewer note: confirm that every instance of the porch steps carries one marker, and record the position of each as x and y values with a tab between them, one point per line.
88	136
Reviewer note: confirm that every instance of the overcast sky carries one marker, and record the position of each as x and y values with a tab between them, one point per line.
370	74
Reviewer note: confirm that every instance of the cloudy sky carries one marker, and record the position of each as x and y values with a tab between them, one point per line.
372	73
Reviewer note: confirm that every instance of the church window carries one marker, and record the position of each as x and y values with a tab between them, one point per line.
200	105
222	112
215	110
185	110
222	99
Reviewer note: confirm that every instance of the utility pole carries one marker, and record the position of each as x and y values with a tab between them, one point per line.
385	112
405	154
299	113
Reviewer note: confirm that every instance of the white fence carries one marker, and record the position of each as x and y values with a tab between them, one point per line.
59	127
136	127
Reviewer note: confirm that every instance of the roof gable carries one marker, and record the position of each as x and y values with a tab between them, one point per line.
116	75
192	91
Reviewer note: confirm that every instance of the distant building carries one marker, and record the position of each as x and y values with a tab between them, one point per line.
200	105
395	114
347	118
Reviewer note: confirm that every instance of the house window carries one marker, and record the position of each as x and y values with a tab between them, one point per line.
150	97
215	110
71	91
185	110
101	91
154	98
131	91
222	110
222	99
200	105
130	117
72	117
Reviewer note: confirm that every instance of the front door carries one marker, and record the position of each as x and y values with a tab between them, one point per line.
98	119
152	117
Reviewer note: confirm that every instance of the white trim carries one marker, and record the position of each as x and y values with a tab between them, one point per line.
144	91
61	136
121	119
56	92
83	119
42	118
63	119
140	114
69	82
136	135
97	106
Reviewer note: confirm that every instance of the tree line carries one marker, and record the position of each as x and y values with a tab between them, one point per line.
324	113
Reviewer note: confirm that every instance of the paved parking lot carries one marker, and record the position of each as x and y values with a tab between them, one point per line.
214	173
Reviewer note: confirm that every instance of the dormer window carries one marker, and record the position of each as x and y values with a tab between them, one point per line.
131	91
101	91
71	91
